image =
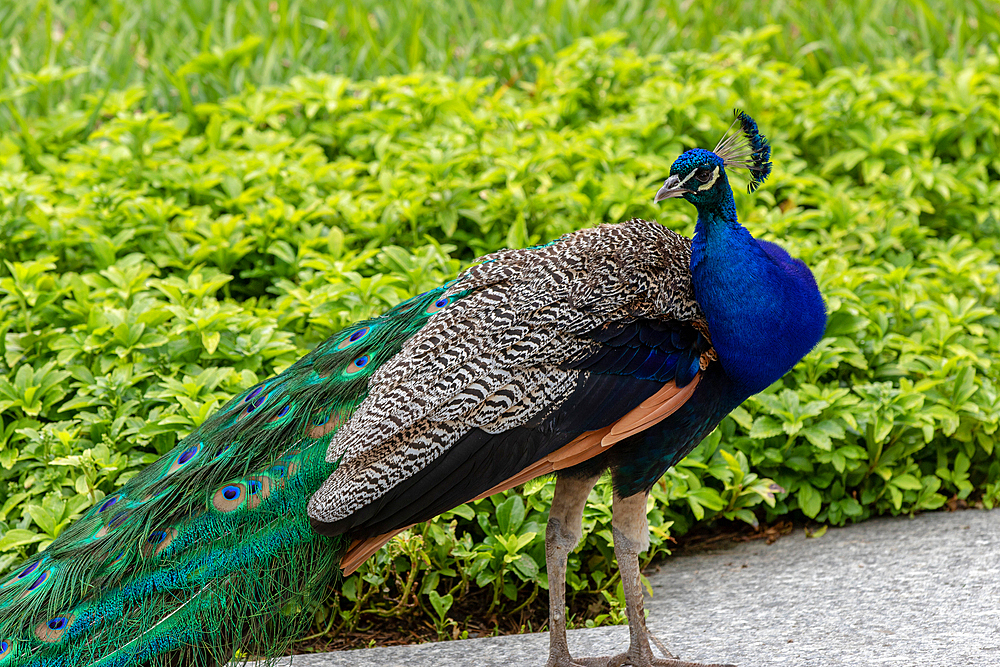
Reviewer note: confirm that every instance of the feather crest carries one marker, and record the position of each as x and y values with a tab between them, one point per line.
747	148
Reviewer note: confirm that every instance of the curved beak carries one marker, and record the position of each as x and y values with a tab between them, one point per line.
671	188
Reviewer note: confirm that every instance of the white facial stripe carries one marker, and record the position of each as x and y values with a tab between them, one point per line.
715	177
686	179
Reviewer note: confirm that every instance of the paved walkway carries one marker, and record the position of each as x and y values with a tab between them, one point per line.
888	593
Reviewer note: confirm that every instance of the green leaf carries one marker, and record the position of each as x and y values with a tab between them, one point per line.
819	532
526	566
464	511
44	519
742	417
210	340
810	501
907	481
349	589
17	537
441	603
510	514
517	235
765	427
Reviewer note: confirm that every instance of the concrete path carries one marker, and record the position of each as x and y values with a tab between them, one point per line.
888	593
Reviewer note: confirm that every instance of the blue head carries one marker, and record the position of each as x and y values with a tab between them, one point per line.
699	175
763	308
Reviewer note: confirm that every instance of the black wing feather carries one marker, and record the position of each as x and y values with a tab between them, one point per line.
479	460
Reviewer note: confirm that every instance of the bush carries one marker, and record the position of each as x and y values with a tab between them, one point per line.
156	263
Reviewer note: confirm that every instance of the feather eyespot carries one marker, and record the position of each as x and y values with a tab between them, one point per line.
258	489
107	504
282	413
53	629
353	338
157	541
116	521
323	425
38	581
156	537
293	463
358	364
253	394
229	497
256	403
440	304
22	575
6	648
28	570
184	458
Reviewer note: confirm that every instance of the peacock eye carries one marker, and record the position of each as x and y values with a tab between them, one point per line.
703	175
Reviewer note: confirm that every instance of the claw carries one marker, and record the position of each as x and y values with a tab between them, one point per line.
631	536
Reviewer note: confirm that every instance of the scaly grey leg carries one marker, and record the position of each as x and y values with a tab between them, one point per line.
631	532
561	536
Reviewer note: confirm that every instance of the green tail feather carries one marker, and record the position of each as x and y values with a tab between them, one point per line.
207	553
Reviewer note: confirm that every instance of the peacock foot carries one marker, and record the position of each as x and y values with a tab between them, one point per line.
625	659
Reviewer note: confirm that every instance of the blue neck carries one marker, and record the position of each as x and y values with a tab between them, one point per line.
763	308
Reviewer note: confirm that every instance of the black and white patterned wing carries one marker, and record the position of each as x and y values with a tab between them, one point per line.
510	372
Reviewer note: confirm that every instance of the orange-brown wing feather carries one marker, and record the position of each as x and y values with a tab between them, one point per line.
653	410
361	550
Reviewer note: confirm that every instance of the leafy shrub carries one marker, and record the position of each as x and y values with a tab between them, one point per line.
59	52
157	263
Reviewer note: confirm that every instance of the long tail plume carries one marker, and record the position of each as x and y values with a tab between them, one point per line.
206	556
182	575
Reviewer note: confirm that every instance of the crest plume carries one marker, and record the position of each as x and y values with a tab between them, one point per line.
746	147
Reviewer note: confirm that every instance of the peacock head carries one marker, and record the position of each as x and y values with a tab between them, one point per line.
699	175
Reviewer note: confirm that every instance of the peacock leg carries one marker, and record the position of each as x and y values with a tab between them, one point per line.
561	536
631	533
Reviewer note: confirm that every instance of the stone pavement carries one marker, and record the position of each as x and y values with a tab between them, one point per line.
891	592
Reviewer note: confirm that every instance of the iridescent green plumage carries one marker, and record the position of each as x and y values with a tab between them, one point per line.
209	551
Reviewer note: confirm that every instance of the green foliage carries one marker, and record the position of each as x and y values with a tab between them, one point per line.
155	263
71	52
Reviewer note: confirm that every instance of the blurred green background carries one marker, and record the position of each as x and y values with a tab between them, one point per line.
186	51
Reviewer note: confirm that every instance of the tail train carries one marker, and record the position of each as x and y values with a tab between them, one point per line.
207	554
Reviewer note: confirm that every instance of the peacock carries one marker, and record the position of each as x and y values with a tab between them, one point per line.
615	348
